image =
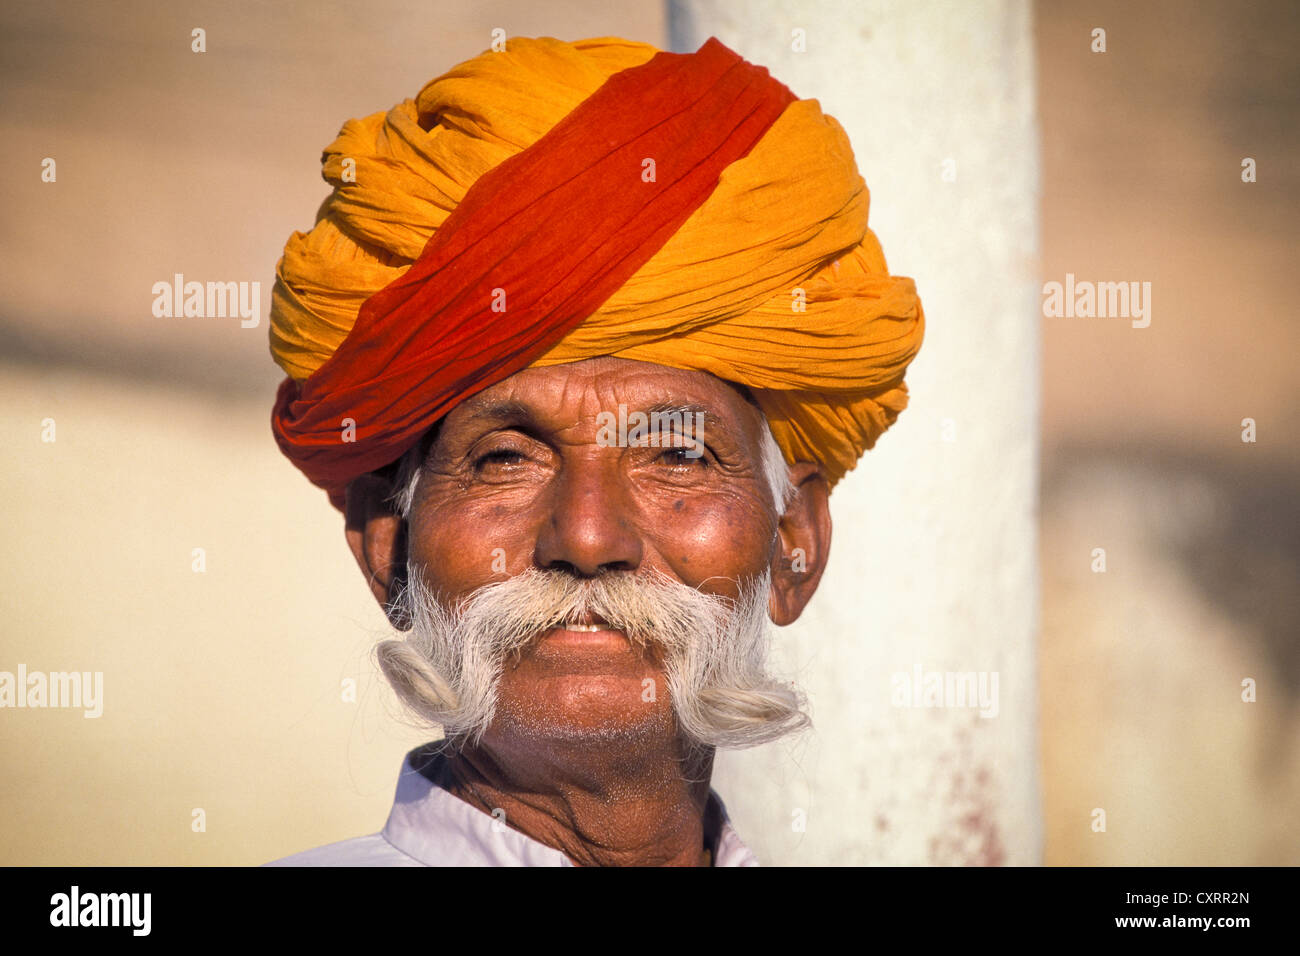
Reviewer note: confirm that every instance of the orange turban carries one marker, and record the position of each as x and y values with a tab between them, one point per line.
680	209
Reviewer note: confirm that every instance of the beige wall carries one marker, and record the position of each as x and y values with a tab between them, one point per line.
1142	665
223	689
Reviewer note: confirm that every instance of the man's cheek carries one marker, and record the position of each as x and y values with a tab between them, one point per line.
702	542
468	551
460	566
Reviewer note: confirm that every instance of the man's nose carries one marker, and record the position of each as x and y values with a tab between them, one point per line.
590	528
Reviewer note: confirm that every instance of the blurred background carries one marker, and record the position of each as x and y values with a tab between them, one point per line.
229	691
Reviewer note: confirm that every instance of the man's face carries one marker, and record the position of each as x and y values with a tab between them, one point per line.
517	480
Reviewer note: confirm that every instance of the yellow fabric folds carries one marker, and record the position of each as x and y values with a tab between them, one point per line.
775	282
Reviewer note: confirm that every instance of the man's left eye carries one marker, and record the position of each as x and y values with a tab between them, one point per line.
683	456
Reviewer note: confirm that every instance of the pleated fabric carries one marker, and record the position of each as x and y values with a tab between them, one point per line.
559	201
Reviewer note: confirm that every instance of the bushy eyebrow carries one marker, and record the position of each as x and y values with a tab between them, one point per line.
665	407
681	412
510	412
504	409
509	409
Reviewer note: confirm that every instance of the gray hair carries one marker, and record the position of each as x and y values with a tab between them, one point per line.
448	670
771	462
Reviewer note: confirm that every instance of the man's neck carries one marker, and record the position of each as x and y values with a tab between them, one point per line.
597	811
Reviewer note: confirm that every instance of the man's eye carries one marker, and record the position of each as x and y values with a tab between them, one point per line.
683	456
502	456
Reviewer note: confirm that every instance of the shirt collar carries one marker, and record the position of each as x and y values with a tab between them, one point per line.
437	828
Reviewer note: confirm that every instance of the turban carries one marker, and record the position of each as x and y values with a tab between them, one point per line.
559	201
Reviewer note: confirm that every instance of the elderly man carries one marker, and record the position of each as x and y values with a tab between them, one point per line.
580	345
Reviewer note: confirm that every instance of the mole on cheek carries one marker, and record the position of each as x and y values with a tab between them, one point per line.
677	506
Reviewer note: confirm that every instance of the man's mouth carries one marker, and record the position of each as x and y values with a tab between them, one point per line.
587	624
587	630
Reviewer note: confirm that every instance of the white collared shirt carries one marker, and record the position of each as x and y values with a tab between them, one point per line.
429	826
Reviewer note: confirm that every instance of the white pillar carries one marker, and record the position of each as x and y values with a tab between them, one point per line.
933	564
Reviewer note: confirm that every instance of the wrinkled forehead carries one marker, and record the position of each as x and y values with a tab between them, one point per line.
578	395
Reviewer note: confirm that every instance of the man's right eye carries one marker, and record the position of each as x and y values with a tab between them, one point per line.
505	456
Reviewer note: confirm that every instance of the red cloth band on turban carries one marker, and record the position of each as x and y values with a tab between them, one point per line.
559	227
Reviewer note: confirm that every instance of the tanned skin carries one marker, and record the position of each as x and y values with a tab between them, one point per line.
576	756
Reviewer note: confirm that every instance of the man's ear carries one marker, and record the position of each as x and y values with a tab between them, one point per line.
804	534
376	534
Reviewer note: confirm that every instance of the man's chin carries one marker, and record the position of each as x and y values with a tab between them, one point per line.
584	709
